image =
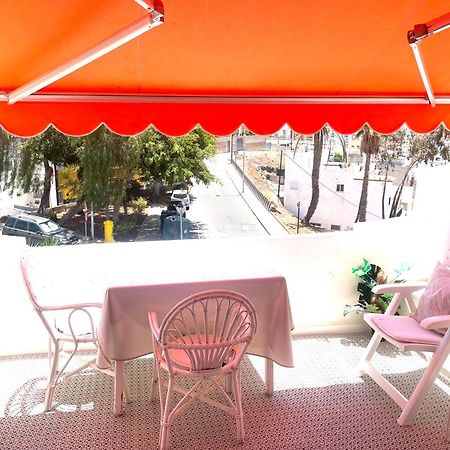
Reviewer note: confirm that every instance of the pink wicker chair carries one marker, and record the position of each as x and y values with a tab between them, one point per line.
205	336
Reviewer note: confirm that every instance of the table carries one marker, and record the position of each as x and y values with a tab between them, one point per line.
146	276
124	332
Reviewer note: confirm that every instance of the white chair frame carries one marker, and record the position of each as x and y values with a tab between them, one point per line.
440	351
57	340
214	350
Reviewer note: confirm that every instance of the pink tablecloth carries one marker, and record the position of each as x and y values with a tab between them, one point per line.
124	332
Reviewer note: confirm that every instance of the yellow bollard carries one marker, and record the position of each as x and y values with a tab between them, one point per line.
108	226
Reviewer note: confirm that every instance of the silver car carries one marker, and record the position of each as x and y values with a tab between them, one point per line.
37	230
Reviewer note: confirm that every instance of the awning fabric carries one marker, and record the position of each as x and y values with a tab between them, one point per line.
211	59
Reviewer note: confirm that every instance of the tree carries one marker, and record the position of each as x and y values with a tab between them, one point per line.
319	139
424	147
370	145
23	160
8	158
107	164
388	153
165	160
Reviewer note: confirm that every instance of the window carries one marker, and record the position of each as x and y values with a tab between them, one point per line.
340	188
49	226
10	222
336	227
33	227
21	225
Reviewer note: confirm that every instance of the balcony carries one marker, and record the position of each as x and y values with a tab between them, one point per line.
320	404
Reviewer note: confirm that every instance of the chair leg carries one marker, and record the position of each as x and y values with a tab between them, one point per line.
54	358
447	433
426	382
236	379
155	378
370	351
165	421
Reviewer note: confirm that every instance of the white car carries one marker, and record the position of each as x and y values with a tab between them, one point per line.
183	195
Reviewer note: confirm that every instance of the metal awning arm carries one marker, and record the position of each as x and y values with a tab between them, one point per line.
153	18
415	36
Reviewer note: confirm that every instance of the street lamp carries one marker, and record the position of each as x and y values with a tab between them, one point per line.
298	216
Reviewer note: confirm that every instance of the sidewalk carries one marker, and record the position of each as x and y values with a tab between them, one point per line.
150	228
265	217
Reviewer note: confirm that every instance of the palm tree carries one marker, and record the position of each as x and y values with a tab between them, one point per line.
423	150
319	139
370	145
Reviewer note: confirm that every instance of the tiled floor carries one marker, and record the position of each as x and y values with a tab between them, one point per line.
320	404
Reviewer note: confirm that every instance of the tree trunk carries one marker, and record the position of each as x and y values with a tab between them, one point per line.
45	199
344	150
383	197
116	211
75	209
362	208
156	190
318	147
395	212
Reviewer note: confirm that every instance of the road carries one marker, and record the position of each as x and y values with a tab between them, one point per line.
218	210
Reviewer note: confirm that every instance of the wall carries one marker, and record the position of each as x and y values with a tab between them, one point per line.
335	207
317	268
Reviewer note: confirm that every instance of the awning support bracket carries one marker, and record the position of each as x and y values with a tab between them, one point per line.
415	37
154	17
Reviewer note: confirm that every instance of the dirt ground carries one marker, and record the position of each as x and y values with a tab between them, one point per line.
262	168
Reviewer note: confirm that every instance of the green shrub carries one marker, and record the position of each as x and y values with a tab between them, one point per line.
139	205
124	225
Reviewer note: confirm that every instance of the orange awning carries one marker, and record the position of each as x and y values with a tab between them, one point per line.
222	63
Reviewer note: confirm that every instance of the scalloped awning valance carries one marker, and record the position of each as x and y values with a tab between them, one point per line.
219	64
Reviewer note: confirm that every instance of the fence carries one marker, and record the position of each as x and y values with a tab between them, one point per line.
249	183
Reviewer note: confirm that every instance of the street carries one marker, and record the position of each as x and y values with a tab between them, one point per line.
216	211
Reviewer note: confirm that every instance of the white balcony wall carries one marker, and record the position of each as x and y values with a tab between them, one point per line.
317	268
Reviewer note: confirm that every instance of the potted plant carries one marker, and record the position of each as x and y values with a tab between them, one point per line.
371	275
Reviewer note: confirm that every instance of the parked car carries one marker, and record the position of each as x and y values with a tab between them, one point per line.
181	194
178	185
38	229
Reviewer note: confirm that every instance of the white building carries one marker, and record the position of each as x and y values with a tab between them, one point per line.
340	192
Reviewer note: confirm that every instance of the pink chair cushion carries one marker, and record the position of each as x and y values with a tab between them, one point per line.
435	300
181	359
405	329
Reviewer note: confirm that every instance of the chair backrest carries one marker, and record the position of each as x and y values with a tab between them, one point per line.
26	279
208	327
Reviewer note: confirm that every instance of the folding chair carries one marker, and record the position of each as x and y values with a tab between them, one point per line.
408	334
204	337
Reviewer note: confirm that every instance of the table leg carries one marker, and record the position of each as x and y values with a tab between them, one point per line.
269	376
118	387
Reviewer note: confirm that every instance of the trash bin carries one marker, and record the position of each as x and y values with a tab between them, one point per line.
171	228
108	226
